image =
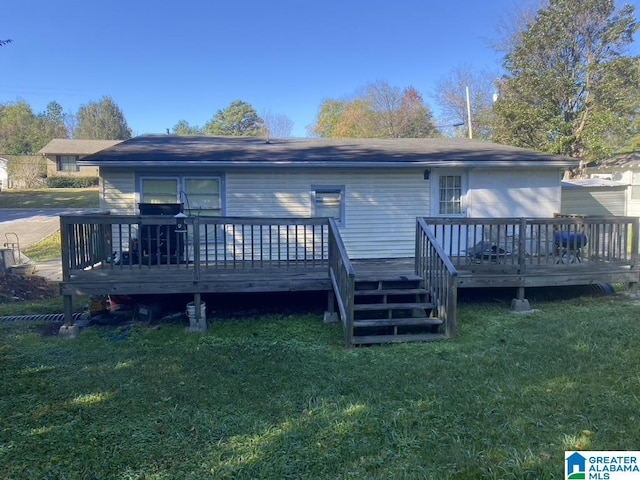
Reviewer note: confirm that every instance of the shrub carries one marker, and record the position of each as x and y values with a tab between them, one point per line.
71	182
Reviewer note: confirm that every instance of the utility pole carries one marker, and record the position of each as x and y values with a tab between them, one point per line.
469	112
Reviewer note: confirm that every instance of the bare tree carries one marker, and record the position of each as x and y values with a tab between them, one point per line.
451	96
513	22
277	125
27	171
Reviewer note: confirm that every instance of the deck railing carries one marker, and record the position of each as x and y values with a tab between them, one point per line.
438	274
552	242
342	278
119	242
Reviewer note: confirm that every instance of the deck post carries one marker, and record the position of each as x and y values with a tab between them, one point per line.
330	315
197	322
68	330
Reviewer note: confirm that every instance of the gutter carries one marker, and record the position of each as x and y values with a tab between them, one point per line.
329	164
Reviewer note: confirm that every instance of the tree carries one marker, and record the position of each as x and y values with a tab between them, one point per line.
27	171
277	125
23	133
183	128
451	96
101	120
382	111
569	88
20	129
52	121
5	42
237	120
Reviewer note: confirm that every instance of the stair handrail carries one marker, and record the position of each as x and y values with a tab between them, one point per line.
439	276
342	277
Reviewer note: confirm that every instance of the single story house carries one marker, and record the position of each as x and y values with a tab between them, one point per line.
62	155
389	228
374	188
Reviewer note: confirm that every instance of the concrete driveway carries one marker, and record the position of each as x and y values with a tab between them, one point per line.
32	226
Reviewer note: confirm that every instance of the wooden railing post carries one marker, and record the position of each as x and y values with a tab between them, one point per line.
196	249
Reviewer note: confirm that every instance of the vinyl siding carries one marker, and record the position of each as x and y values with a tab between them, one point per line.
594	201
118	191
380	210
513	193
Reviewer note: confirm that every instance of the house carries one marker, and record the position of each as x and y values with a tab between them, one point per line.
594	196
624	169
62	155
389	228
374	188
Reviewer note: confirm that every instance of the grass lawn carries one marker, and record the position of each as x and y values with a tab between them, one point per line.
48	249
50	198
280	397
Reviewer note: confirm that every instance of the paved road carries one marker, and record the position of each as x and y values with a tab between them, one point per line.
32	226
13	214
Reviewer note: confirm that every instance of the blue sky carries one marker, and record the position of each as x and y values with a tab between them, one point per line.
166	61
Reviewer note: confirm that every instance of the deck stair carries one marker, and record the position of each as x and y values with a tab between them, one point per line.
393	309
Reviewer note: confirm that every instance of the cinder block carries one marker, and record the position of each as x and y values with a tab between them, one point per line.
69	332
518	305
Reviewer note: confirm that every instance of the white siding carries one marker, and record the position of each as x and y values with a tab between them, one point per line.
118	195
513	193
594	201
118	188
380	211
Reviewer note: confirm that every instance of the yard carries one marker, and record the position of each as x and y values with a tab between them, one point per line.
280	397
50	198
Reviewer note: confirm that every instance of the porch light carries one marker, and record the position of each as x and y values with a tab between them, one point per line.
427	174
181	224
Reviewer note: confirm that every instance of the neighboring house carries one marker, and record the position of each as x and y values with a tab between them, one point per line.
374	188
624	169
4	174
594	196
62	155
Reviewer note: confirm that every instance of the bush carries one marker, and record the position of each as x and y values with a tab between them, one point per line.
72	182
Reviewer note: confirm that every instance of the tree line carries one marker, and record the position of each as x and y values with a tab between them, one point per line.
24	132
568	87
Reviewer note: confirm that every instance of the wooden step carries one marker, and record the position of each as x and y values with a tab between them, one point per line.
392	306
391	292
404	338
387	278
397	322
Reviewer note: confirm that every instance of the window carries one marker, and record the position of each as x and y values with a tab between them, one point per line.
199	196
328	202
450	195
67	163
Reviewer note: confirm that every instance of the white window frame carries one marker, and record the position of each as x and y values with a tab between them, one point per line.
340	190
436	192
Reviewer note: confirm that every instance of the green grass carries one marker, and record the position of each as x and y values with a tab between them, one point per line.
50	198
280	397
45	250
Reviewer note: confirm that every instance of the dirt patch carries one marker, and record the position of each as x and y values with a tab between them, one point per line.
20	288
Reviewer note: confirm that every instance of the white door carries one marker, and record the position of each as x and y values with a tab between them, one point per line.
448	199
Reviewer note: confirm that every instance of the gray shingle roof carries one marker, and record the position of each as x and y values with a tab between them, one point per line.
65	146
170	150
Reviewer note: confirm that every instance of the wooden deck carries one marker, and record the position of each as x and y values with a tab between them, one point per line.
129	255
